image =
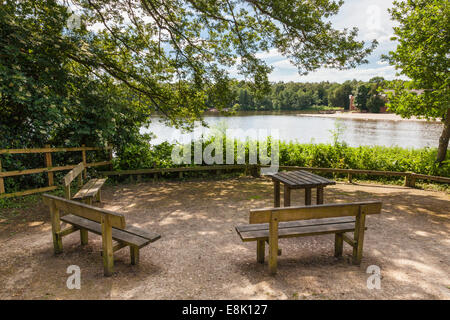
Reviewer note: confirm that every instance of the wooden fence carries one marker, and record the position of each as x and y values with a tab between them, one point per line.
48	167
410	177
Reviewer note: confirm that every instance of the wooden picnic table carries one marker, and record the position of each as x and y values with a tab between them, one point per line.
298	180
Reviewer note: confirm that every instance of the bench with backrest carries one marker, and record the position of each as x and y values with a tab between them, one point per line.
110	225
270	224
89	191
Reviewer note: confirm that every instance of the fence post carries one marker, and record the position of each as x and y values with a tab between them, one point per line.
350	178
83	156
110	157
410	180
2	184
48	164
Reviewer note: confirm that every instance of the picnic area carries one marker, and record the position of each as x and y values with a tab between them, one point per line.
200	255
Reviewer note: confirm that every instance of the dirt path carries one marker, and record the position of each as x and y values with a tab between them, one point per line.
200	255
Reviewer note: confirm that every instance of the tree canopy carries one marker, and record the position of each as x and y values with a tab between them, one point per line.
127	59
422	55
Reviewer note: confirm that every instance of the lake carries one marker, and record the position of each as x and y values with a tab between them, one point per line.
307	129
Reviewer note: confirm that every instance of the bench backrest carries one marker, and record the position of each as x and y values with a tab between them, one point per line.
68	178
314	212
113	219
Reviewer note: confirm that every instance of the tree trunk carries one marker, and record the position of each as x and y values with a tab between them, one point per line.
444	138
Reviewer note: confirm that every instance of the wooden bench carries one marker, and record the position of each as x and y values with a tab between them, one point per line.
270	224
110	225
89	191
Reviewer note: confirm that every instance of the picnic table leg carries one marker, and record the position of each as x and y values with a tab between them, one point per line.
134	254
260	250
276	194
319	195
307	196
287	196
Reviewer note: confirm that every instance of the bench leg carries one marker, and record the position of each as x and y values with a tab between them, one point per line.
338	244
84	236
260	250
359	238
107	243
99	196
134	255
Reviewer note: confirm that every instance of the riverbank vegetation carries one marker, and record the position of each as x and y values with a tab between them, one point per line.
309	96
335	155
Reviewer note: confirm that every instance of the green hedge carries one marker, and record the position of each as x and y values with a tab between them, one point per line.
337	155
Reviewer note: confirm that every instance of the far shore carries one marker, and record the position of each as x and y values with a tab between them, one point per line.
364	116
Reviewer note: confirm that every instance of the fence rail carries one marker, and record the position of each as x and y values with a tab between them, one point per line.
410	177
49	169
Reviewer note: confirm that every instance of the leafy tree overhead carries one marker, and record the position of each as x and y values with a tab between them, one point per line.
422	56
143	56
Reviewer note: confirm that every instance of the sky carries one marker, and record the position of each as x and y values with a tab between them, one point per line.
373	21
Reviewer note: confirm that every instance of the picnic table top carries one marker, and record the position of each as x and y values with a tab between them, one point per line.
301	179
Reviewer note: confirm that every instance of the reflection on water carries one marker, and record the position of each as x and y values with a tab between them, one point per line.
407	134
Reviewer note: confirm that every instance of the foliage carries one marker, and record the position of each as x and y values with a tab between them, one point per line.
422	56
336	155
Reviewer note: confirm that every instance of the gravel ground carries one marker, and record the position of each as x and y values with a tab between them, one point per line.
200	256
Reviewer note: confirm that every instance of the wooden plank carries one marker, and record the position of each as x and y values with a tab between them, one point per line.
56	227
294	224
260	250
319	198
48	164
273	242
53	169
134	255
107	245
27	192
44	150
338	244
315	211
84	190
117	234
90	189
287	196
349	240
298	231
73	173
151	236
276	193
83	157
307	196
117	220
2	183
68	231
359	237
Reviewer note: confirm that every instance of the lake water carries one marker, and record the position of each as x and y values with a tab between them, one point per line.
306	129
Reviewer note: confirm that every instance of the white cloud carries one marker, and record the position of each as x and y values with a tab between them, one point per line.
285	71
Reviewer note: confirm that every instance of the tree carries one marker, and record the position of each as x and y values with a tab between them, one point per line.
362	95
339	97
176	55
422	56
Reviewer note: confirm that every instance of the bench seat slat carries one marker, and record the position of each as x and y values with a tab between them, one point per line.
298	223
297	231
90	189
117	234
